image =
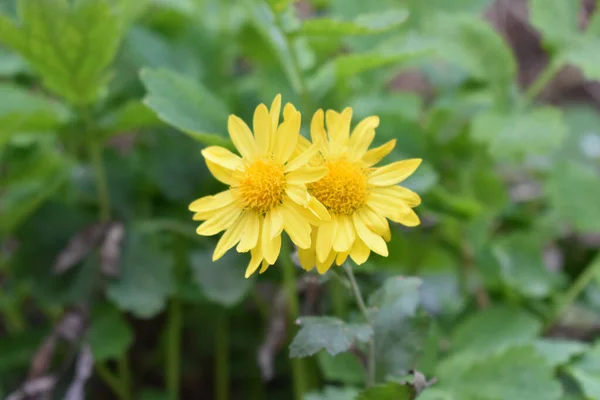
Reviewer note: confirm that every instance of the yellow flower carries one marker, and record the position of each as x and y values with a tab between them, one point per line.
267	188
358	196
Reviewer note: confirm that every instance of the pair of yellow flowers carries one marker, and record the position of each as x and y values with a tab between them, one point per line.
327	195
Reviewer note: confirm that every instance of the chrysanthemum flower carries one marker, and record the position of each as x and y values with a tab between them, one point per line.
359	196
267	188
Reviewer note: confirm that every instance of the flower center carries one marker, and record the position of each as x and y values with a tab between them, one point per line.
343	190
262	186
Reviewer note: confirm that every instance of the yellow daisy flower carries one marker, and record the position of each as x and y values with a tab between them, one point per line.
359	196
267	188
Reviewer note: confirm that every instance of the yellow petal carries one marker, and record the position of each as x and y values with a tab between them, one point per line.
374	221
224	175
231	236
325	237
222	157
338	129
270	246
241	137
394	173
274	222
409	197
307	258
371	239
251	230
407	218
375	155
265	265
274	113
318	133
209	203
361	138
222	220
255	260
296	227
341	257
323	266
261	126
306	175
360	252
345	234
204	215
318	209
302	159
298	193
386	205
287	134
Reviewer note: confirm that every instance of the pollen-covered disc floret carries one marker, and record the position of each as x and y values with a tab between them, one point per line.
267	188
360	197
262	186
344	189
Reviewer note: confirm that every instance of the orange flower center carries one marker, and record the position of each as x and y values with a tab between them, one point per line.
262	186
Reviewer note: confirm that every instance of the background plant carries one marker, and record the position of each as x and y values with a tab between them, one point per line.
106	290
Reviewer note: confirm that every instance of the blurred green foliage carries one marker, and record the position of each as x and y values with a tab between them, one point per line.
105	106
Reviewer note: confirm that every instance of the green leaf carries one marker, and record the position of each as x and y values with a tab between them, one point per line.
221	281
344	367
132	116
521	265
365	24
186	105
17	350
570	187
583	53
519	373
146	277
333	393
389	391
327	333
494	330
559	351
586	372
467	40
538	132
556	20
70	44
109	334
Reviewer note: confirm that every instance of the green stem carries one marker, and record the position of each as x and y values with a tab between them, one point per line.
125	374
289	281
371	364
541	82
573	292
95	151
338	299
222	359
174	327
112	381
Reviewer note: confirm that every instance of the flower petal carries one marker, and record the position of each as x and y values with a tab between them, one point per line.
298	193
231	236
325	237
215	202
394	173
274	222
296	227
307	258
302	159
399	193
249	239
255	260
386	205
222	220
318	133
318	209
261	126
222	174
345	234
374	221
306	175
287	134
361	138
274	113
375	155
270	246
323	266
264	266
241	137
407	218
222	157
371	239
341	258
360	252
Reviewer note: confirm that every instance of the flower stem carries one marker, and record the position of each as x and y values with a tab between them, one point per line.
541	82
371	364
95	154
222	358
293	307
174	326
113	382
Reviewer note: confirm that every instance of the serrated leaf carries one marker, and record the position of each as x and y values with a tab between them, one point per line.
389	391
556	20
586	372
109	334
538	132
559	351
70	44
327	333
186	105
494	330
221	281
365	24
333	393
570	187
519	373
344	367
467	40
146	277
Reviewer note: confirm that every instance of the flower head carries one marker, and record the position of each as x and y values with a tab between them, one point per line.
267	188
359	196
